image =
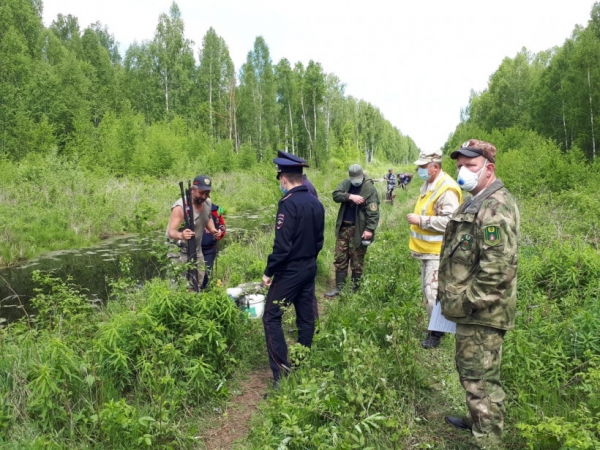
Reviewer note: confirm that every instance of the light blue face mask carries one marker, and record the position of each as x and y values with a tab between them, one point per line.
423	174
283	190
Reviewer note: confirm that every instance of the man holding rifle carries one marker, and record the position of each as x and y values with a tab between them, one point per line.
184	236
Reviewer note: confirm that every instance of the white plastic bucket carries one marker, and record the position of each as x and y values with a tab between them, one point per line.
234	293
254	305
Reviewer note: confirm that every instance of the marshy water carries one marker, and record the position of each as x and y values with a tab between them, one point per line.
92	268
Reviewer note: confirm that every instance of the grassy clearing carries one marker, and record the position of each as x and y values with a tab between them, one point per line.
49	204
122	376
367	383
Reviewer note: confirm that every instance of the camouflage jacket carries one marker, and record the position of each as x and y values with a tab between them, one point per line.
367	214
478	263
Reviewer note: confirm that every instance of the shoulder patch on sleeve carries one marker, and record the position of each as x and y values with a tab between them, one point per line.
373	206
280	221
491	236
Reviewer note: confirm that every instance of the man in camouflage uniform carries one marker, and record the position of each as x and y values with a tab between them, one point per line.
357	220
439	197
478	287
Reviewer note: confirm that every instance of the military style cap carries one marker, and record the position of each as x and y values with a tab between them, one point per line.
288	163
356	173
429	157
202	183
284	155
473	148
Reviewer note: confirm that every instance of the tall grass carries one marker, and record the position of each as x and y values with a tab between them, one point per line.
367	384
133	374
138	372
48	203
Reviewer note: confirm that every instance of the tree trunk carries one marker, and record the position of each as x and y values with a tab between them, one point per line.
167	90
327	125
592	117
210	106
291	127
307	128
315	114
258	104
565	126
233	134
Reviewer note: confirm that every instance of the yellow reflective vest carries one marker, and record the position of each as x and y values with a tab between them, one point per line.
430	241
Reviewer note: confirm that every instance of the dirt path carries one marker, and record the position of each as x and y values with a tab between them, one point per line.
234	422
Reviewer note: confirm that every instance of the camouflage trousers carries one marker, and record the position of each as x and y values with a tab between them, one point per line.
346	253
178	255
478	359
429	283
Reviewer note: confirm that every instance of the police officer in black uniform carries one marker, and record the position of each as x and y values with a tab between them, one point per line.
311	190
292	266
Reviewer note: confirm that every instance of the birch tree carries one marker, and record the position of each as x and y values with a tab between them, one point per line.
216	77
174	61
258	100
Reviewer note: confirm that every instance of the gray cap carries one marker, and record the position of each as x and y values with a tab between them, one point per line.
356	173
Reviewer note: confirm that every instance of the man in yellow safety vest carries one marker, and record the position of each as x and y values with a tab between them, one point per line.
440	196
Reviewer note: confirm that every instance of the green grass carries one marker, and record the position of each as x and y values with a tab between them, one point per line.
366	383
47	204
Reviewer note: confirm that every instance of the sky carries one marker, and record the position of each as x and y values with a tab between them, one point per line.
417	61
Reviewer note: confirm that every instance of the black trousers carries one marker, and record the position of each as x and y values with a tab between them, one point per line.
290	287
209	260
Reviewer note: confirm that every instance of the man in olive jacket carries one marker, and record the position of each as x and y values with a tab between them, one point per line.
478	287
355	227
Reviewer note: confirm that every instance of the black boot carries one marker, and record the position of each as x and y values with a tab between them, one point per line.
458	423
340	280
356	281
433	340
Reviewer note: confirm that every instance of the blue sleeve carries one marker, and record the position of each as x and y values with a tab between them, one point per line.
321	236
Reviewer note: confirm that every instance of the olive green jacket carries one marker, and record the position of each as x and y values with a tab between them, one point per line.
367	214
478	264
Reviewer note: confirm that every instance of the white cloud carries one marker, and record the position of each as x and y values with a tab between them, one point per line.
416	61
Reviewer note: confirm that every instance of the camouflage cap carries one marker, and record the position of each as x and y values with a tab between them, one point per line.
473	148
429	157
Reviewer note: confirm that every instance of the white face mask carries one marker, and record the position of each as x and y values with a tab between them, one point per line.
468	180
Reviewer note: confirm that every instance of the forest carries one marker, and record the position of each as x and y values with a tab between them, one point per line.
68	90
93	144
555	93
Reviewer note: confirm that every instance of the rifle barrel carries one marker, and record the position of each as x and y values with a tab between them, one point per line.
188	217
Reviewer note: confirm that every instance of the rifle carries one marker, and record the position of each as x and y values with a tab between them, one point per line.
192	255
214	273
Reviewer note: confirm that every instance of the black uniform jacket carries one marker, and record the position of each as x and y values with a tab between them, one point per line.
299	228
